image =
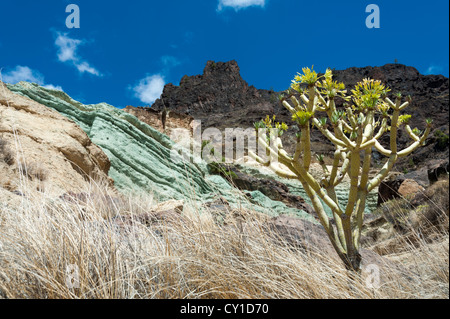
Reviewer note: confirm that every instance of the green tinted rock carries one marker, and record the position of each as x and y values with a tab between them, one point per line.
141	156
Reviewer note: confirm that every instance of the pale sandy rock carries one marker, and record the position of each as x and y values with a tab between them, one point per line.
410	188
51	153
175	205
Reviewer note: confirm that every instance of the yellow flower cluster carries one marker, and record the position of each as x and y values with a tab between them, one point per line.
309	77
302	117
404	119
367	94
270	124
331	88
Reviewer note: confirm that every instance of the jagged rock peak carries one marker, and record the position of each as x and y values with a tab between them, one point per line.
220	98
220	87
213	67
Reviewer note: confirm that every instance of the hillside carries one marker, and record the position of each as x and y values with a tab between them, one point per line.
173	228
141	157
220	98
54	154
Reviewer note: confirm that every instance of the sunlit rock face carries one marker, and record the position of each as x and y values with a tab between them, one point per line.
141	158
139	155
41	149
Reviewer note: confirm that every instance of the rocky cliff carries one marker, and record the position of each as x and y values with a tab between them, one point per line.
140	155
43	149
152	117
220	98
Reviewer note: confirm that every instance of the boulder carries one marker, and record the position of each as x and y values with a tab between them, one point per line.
420	176
397	186
388	188
409	188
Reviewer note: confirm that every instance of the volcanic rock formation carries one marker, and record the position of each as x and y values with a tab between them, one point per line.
43	149
220	98
142	159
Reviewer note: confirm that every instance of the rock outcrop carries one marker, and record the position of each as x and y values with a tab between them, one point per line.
437	169
398	187
273	189
220	98
295	188
142	157
153	118
44	150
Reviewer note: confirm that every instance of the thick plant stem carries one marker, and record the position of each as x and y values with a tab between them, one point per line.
360	205
340	228
353	133
324	220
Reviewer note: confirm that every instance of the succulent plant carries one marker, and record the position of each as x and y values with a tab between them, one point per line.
353	131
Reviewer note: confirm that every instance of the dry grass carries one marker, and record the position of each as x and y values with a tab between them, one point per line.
33	171
192	258
6	155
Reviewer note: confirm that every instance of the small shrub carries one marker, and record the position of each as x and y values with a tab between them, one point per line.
5	152
33	171
273	98
442	139
220	169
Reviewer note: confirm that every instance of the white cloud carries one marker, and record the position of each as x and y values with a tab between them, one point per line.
149	88
85	67
67	53
170	61
67	48
24	73
434	69
240	4
52	87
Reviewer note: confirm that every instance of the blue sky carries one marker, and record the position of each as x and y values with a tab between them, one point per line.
125	51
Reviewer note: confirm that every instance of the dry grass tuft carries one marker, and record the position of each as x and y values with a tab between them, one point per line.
33	171
6	155
45	241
